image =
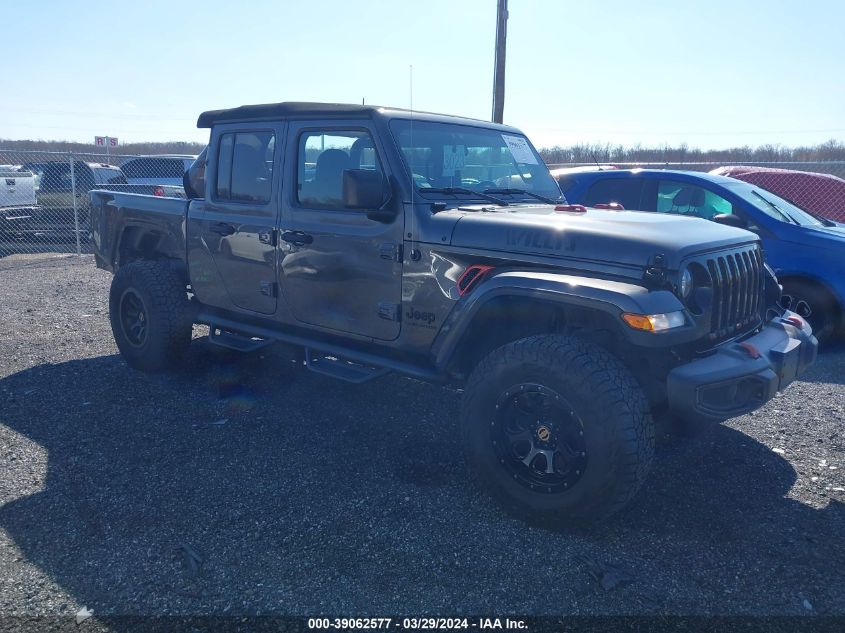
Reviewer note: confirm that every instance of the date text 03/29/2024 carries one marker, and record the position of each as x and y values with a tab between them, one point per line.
417	624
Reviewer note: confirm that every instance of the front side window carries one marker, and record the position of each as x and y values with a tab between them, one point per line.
688	199
245	166
449	155
323	157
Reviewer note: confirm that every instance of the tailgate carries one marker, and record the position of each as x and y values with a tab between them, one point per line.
17	189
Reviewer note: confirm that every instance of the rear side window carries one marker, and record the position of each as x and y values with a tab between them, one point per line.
153	168
245	166
108	175
565	183
625	191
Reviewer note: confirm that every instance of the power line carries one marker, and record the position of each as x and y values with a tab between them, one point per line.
98	114
687	133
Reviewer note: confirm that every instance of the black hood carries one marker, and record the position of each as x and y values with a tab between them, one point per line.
629	238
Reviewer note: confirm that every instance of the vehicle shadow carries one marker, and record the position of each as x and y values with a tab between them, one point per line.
243	486
830	364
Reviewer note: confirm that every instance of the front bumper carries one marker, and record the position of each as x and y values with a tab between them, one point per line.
741	376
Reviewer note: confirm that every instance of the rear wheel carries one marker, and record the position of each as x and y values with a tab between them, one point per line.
150	315
813	304
557	428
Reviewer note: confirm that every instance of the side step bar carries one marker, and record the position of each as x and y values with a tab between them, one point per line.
267	335
341	368
235	340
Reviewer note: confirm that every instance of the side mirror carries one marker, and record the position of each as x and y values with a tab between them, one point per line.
365	189
728	219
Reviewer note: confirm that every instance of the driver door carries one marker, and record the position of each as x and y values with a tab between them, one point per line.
339	269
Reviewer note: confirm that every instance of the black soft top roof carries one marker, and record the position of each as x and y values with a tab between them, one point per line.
275	111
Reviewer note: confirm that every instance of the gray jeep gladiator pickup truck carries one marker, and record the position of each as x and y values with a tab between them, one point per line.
374	240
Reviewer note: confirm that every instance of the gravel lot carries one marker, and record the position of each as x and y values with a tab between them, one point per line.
242	485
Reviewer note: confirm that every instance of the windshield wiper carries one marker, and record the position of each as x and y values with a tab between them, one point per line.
822	221
777	208
456	190
511	191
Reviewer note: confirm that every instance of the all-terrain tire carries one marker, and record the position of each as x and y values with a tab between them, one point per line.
159	338
618	430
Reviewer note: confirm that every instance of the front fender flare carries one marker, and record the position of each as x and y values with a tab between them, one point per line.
611	297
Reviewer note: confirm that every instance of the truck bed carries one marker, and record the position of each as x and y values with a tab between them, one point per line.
125	225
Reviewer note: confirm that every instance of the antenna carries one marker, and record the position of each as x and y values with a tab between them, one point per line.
411	129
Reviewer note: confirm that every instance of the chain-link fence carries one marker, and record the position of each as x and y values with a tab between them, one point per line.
44	199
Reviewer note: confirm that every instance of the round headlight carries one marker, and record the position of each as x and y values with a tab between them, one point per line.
686	283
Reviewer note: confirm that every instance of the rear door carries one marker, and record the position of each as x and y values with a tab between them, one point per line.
231	234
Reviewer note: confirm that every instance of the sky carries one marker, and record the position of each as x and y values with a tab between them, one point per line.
711	74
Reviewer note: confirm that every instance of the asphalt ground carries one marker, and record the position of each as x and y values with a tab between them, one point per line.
242	485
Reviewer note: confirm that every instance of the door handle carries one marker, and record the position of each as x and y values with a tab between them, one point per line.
297	237
222	228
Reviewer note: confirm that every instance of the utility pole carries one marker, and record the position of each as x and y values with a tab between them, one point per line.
499	73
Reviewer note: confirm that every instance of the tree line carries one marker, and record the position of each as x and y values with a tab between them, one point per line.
171	147
831	150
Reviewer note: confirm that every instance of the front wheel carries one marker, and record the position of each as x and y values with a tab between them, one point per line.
150	315
813	304
557	428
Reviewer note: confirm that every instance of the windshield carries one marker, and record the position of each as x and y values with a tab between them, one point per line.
453	156
773	205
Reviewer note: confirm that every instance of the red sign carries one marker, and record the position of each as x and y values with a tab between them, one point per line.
105	141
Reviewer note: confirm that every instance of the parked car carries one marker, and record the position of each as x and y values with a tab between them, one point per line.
561	174
820	194
18	203
166	169
55	187
806	252
400	251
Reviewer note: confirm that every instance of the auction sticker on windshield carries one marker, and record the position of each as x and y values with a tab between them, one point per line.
520	149
454	158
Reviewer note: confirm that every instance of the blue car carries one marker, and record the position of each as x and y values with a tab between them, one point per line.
806	252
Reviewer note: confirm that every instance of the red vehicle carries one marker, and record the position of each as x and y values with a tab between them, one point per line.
820	194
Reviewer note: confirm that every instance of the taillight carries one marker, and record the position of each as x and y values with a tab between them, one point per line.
471	276
158	190
615	206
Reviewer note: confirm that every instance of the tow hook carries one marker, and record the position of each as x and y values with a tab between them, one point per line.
656	271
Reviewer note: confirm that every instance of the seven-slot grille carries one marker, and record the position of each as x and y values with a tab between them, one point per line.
737	283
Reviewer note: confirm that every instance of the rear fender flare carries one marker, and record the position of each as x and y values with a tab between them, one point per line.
148	239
